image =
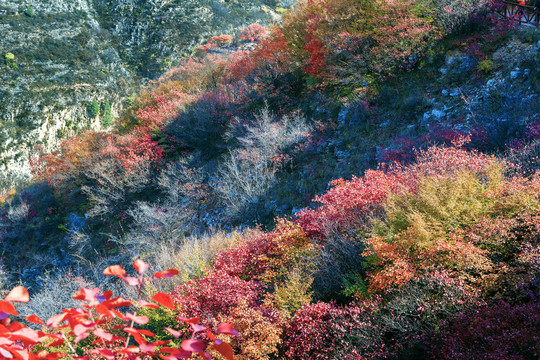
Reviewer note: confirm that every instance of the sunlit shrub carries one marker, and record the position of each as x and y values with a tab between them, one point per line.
266	256
260	331
326	331
253	33
294	292
100	321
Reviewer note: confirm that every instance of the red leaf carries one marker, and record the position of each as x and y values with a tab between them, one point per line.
193	345
174	333
25	335
197	328
18	294
131	330
109	354
224	349
135	333
147	347
161	342
117	302
34	319
141	320
56	319
147	304
104	310
226	328
8	308
146	332
102	334
85	294
114	270
133	281
167	273
193	320
55	343
140	266
82	328
164	299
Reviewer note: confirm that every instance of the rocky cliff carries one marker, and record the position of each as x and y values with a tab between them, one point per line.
58	57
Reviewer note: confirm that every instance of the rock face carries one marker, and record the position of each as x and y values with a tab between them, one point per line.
58	56
152	35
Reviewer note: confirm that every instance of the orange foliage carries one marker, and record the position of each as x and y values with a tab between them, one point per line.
260	331
393	266
85	150
272	53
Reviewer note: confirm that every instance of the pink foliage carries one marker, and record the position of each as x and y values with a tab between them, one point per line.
253	33
348	203
501	331
324	331
163	107
216	293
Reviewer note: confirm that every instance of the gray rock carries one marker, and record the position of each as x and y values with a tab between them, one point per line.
454	93
445	92
460	64
384	124
443	71
438	114
342	116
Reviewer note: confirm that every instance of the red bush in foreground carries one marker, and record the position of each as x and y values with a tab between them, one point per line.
101	321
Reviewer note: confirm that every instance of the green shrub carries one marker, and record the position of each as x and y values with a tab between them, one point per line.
158	320
11	61
93	109
29	11
108	118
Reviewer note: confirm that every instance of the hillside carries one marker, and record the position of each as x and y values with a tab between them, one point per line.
60	56
359	180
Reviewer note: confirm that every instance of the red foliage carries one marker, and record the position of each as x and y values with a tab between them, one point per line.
77	153
393	268
325	331
272	53
253	33
315	48
215	294
348	204
265	256
496	332
222	297
162	107
95	319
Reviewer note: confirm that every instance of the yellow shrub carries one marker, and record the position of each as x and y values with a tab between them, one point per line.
485	66
294	292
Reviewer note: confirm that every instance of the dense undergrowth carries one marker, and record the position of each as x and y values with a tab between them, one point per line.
424	243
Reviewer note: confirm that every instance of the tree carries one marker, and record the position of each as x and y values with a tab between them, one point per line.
93	109
108	118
